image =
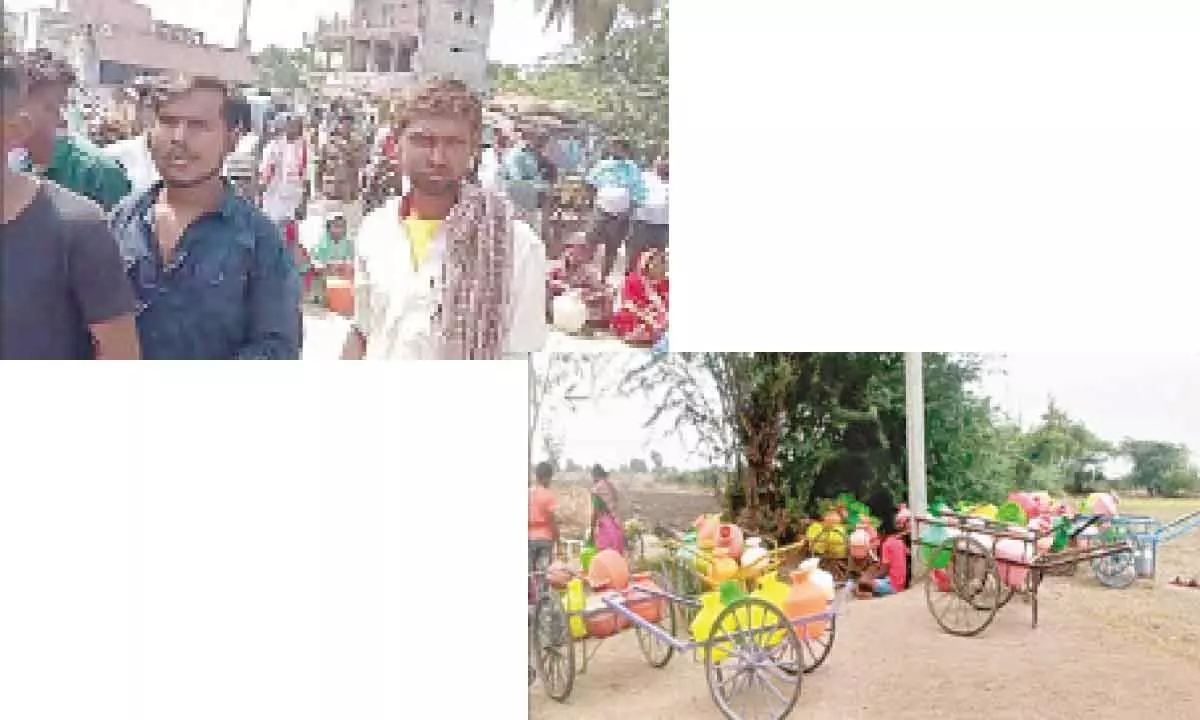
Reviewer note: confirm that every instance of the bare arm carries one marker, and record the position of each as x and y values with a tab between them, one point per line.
116	339
102	290
356	345
356	340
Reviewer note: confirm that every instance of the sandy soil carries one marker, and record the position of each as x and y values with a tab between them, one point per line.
891	661
1097	653
672	506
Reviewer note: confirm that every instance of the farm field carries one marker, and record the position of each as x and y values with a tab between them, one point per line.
1097	652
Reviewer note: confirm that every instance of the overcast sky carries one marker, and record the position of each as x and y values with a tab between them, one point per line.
1145	396
517	35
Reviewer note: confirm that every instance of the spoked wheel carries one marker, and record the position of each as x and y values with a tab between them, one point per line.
1117	570
656	651
750	661
682	580
814	649
553	647
975	592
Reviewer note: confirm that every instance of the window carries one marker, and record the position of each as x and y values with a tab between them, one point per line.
471	20
456	50
458	16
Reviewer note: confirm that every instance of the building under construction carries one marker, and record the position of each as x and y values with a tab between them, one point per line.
387	45
113	41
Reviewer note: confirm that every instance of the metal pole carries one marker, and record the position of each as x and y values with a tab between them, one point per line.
532	400
914	400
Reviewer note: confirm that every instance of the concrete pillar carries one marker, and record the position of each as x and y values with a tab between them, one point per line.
398	49
372	56
348	56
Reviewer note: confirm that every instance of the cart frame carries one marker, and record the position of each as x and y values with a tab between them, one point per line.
967	580
736	659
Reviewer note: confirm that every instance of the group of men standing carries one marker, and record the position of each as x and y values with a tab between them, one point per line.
184	266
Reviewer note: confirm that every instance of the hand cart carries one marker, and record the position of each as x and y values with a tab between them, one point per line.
754	659
967	584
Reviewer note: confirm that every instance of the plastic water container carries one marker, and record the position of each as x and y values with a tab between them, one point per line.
1009	552
1145	555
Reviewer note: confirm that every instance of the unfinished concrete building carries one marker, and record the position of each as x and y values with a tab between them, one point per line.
390	44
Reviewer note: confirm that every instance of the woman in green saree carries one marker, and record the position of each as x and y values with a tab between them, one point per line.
331	255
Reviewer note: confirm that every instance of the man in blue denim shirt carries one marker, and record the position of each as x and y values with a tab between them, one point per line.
213	277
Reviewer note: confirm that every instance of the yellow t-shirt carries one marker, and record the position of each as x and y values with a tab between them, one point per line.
420	237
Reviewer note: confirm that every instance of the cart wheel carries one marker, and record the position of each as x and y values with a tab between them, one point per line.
682	580
553	647
1064	570
657	652
813	651
750	661
1117	570
975	589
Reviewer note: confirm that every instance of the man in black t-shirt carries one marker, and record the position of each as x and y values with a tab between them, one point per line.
63	290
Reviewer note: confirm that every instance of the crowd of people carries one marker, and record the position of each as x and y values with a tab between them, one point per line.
186	230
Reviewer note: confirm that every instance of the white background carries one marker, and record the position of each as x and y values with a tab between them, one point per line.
331	541
1001	175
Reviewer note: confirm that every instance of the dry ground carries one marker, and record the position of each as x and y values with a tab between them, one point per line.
1097	653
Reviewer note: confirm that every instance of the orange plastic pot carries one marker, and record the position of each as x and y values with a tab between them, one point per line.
608	570
647	606
602	625
339	295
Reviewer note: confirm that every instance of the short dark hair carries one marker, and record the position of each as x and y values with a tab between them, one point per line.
45	69
543	472
441	96
238	113
166	89
598	471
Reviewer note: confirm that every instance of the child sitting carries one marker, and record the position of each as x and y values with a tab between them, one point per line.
891	574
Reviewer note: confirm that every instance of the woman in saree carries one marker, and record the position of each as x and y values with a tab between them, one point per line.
607	533
577	271
641	317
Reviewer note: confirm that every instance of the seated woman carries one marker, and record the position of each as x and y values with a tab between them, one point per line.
641	317
891	575
577	271
332	254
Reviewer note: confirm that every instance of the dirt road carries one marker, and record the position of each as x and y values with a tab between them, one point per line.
892	661
1098	653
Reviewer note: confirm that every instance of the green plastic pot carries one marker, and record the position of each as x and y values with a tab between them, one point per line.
586	554
937	558
935	554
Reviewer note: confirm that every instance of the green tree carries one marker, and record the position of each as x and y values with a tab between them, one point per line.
622	80
806	426
638	465
590	19
283	67
656	461
1161	468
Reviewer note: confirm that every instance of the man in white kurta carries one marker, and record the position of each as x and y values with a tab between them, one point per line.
445	241
285	173
393	300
